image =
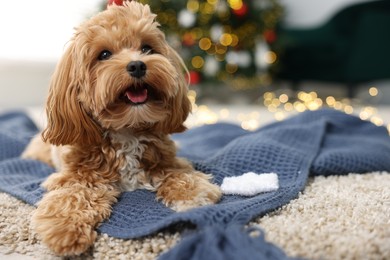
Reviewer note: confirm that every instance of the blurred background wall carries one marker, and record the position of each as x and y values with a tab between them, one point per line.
33	36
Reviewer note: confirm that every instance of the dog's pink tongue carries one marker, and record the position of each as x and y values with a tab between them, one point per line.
137	96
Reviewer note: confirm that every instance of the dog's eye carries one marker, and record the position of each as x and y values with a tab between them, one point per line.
104	55
146	49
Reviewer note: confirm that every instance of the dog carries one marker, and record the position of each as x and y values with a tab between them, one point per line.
116	95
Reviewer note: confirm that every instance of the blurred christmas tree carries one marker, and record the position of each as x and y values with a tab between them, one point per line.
221	40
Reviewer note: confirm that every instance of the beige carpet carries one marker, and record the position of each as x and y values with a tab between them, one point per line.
339	217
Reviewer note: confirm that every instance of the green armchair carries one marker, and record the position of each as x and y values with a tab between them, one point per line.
353	47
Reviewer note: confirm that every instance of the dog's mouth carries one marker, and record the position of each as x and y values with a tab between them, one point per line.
137	94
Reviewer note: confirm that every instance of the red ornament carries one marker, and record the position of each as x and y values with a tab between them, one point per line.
188	39
194	77
243	10
117	2
269	36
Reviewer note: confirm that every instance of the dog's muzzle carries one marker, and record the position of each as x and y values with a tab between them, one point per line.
136	69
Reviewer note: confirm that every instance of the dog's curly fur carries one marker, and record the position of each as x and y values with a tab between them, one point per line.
108	128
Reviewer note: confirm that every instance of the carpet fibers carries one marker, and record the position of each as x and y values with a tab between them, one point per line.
336	217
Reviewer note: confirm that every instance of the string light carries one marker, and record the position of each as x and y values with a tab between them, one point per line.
212	2
373	91
197	62
235	4
281	107
193	6
205	44
231	68
270	57
224	113
226	39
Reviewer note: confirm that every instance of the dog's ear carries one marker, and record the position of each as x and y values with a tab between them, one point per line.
180	105
67	121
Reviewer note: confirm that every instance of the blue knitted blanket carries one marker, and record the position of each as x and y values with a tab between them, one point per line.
324	142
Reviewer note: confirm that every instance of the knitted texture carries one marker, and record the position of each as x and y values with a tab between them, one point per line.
324	142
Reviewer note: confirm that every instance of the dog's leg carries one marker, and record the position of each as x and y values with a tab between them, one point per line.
76	202
37	149
68	214
185	188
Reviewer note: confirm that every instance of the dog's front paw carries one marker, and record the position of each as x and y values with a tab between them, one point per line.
63	236
202	198
182	192
63	225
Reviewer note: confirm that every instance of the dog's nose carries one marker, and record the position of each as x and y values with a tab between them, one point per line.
136	68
